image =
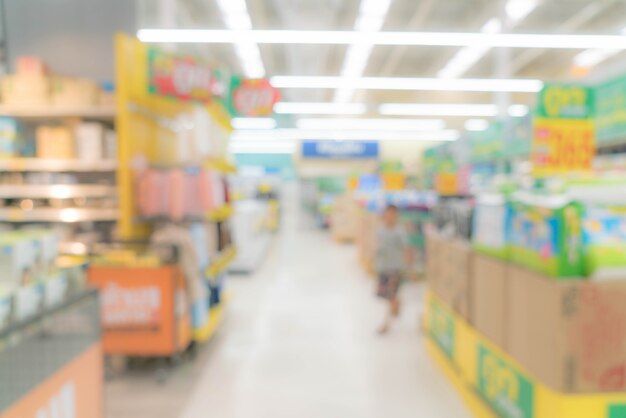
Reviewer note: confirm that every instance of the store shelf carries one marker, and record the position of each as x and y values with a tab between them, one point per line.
455	346
56	191
54	112
218	164
67	215
215	318
221	214
222	263
222	166
57	166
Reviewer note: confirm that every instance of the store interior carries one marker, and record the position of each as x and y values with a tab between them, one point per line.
330	208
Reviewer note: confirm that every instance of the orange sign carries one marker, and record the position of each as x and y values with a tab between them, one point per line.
394	181
562	146
73	392
144	310
447	184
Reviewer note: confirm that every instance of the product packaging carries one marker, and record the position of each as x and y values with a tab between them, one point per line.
17	260
6	306
491	223
55	142
546	234
10	131
24	91
604	238
71	92
89	141
56	288
29	300
569	334
487	298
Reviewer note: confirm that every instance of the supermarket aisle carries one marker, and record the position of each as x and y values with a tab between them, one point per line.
300	342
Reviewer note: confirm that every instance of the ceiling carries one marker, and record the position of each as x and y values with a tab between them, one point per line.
550	16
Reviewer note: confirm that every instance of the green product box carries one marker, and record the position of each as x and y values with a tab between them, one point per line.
442	328
546	235
604	237
491	220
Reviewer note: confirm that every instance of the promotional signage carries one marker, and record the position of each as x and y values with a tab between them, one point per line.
518	136
346	150
184	78
562	146
131	307
73	392
487	145
565	101
610	111
617	411
252	98
442	328
509	393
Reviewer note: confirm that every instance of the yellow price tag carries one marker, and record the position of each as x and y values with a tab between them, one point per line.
562	146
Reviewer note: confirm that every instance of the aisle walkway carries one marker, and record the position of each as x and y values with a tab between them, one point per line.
300	342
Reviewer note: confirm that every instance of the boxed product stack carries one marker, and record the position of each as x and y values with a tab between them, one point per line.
344	219
30	278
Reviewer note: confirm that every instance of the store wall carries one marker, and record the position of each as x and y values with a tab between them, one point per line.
75	37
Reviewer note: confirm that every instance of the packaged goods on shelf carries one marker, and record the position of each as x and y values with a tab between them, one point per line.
31	66
488	303
55	142
17	260
344	219
491	223
26	90
72	93
29	300
570	335
454	216
547	235
10	132
604	240
89	141
6	305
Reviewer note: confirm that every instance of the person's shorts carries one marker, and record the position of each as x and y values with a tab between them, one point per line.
389	285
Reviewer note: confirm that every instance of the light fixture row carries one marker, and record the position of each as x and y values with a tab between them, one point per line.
323	37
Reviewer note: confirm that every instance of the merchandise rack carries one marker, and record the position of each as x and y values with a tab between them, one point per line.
454	345
23	165
43	112
51	215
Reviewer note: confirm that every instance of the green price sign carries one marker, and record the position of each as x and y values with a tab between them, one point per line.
565	101
508	392
617	411
610	111
442	328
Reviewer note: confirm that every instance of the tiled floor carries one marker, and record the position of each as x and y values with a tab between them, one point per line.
299	341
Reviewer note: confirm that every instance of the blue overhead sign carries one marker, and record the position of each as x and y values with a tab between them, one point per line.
346	150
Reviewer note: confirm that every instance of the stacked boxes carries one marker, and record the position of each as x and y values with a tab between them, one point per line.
570	335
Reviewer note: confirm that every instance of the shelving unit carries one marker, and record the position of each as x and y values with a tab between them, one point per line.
106	113
24	165
51	215
56	191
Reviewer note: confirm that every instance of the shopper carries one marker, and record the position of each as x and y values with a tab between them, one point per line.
393	256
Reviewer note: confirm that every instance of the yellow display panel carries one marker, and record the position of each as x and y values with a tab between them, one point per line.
489	379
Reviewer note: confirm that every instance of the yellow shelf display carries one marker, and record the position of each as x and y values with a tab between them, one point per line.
493	384
222	263
215	318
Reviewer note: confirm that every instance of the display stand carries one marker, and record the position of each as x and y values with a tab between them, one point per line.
493	384
52	363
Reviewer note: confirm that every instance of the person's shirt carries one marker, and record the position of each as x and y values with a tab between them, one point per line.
391	244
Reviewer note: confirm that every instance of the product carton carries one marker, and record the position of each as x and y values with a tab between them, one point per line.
455	275
571	335
31	66
10	132
71	92
434	255
55	142
25	91
487	298
604	236
6	306
491	223
546	235
17	257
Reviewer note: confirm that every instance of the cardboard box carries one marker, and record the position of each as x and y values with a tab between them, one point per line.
449	272
25	91
488	303
571	335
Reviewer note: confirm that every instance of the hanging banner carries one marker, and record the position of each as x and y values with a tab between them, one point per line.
562	146
610	111
184	78
251	98
565	101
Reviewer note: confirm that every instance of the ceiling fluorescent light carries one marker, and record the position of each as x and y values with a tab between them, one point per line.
476	125
253	123
371	18
344	135
255	147
291	37
518	10
592	57
518	111
373	124
410	109
408	84
292	108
